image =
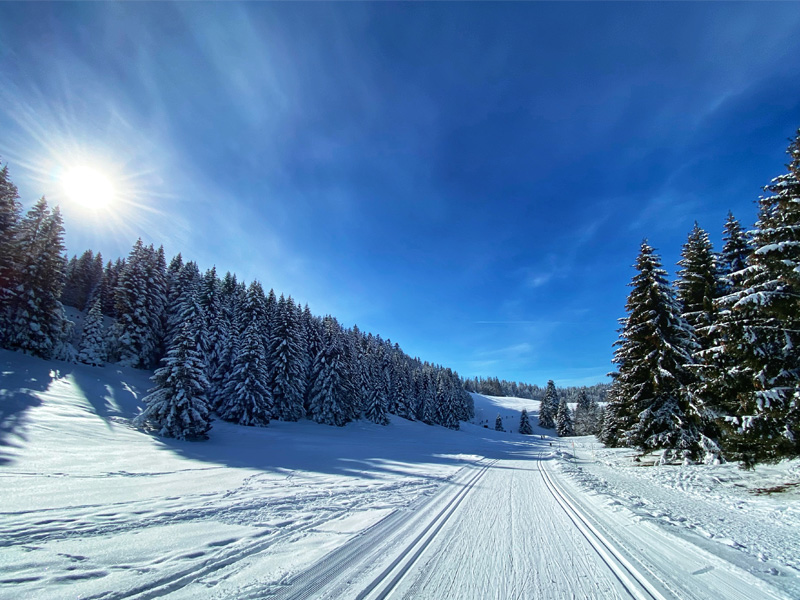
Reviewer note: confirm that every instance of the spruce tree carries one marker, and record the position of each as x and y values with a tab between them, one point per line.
734	252
246	398
586	415
287	379
649	408
761	412
548	406
93	343
524	423
564	419
375	407
498	423
332	391
698	285
33	318
176	407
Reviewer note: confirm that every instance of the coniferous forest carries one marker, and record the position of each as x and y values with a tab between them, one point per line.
709	368
219	346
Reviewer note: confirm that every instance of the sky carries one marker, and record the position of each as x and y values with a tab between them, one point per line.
470	180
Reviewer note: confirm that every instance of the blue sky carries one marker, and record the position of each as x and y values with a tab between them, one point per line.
470	180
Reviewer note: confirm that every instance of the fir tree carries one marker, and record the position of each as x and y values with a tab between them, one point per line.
33	318
140	302
246	398
761	414
93	344
548	406
586	415
524	423
498	423
650	406
332	390
176	406
287	379
734	253
564	419
698	285
375	407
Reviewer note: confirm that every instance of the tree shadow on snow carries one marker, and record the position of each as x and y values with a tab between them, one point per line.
21	378
360	449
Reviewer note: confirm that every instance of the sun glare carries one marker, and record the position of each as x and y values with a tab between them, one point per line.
87	187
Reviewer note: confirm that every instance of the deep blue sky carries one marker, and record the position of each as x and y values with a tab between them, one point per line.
470	180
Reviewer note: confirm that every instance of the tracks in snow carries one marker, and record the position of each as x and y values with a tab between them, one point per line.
334	575
631	579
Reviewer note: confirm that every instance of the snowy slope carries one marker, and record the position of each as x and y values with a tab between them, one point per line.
92	508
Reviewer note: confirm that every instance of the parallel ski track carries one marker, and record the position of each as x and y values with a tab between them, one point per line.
631	579
420	543
331	576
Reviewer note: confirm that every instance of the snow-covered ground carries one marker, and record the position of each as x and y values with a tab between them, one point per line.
91	508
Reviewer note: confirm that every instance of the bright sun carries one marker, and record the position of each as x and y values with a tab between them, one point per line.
88	187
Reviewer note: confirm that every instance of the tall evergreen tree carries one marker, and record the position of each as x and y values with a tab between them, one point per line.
586	415
734	252
524	423
650	404
246	398
287	379
498	423
763	412
176	406
93	343
548	406
31	313
698	285
140	302
332	391
564	419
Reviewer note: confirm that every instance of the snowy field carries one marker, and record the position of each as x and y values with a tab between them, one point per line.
91	508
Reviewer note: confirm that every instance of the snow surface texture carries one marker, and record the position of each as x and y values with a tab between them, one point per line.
92	508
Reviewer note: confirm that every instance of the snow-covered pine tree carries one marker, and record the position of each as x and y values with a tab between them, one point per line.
176	407
33	318
650	404
698	285
83	276
375	404
93	340
429	410
734	253
10	215
447	397
564	419
140	301
762	408
401	386
548	406
109	285
246	398
287	379
313	330
498	423
586	413
332	391
182	288
524	423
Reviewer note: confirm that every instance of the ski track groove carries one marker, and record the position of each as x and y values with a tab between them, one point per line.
639	588
439	521
333	573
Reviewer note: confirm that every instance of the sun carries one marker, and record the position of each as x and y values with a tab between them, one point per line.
88	187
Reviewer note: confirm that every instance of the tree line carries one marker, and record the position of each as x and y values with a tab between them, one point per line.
220	346
709	368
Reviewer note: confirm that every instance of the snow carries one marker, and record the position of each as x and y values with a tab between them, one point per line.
93	508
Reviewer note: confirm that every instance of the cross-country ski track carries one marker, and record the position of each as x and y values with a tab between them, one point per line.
95	509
